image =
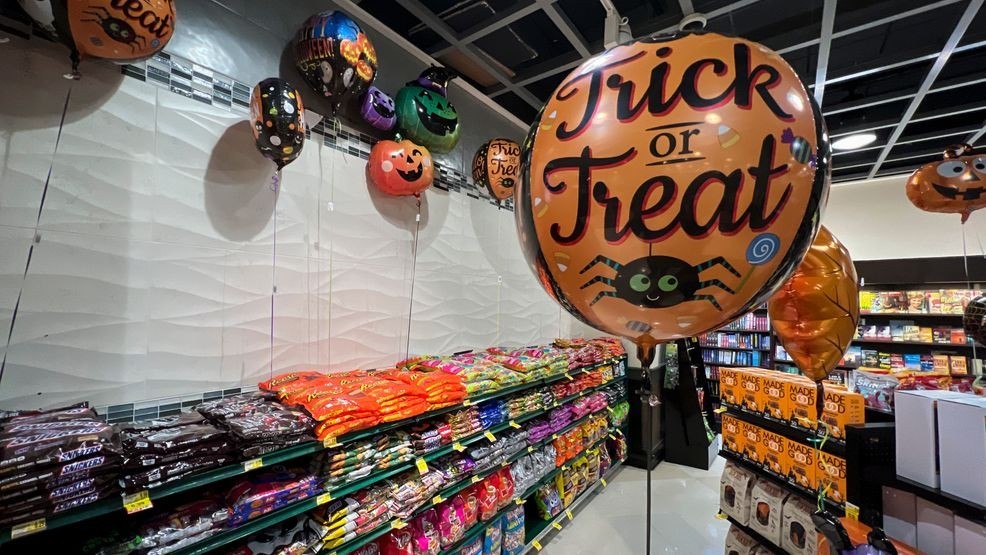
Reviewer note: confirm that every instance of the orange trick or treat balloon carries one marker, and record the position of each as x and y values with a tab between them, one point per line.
671	184
121	30
956	185
815	313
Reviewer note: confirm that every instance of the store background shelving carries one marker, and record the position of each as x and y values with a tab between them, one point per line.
753	330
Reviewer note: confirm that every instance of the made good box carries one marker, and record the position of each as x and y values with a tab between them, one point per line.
750	385
801	459
732	434
774	396
775	453
753	449
729	386
802	400
842	407
831	473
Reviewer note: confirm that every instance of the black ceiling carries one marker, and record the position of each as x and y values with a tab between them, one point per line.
888	72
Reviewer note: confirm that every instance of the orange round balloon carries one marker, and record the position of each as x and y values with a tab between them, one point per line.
121	30
815	313
400	168
955	186
671	184
496	166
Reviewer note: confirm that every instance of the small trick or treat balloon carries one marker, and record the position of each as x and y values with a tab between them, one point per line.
974	319
400	168
118	30
424	113
954	186
496	166
671	184
377	109
815	313
278	118
335	56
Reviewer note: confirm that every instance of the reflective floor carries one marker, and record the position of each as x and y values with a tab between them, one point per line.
685	499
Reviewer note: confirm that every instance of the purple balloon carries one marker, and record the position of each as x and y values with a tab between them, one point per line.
377	109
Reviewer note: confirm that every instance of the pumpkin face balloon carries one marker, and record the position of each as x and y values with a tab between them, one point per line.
377	109
400	168
671	184
425	115
496	166
955	186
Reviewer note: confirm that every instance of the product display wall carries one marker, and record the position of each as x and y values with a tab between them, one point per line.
152	278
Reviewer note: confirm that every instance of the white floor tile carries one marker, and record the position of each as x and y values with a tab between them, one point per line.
685	501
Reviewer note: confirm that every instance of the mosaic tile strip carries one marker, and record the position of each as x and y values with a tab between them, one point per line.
157	408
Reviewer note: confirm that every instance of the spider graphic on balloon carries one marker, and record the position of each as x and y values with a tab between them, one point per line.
116	28
658	281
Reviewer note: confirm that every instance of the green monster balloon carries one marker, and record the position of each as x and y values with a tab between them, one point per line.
424	113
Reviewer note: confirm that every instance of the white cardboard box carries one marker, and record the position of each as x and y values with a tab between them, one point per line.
962	447
915	413
900	515
936	526
970	537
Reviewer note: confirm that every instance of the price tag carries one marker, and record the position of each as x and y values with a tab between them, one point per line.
136	502
568	377
504	464
603	480
568	513
852	511
467	403
330	442
489	435
519	501
530	449
27	528
554	436
422	466
476	479
323	499
398	524
564	467
720	410
252	464
721	515
537	545
437	500
458	447
556	525
514	425
610	409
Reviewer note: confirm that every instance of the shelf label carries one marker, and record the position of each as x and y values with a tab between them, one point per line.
554	437
721	515
720	410
556	525
253	464
323	499
398	524
476	479
568	513
330	442
603	480
504	464
514	425
458	447
568	377
437	500
422	466
489	435
530	449
852	511
27	528
610	409
467	403
611	436
519	501
136	502
537	545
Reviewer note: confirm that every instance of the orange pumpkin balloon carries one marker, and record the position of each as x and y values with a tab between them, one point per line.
400	168
955	186
496	166
671	184
816	312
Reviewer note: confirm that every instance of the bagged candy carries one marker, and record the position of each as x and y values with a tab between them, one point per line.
548	502
450	522
493	537
426	534
489	498
513	540
473	547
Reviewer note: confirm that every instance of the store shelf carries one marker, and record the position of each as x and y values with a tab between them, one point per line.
812	496
961	507
917	343
735	348
767	544
831	445
741	330
115	504
708	363
910	314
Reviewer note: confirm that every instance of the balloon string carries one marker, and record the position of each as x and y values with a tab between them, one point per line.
35	238
968	283
414	265
275	186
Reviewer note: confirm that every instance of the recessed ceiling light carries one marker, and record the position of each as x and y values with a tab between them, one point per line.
852	142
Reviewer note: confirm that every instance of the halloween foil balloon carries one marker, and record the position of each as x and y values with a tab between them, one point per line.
400	168
496	166
424	113
278	118
671	184
118	30
815	313
974	319
335	56
956	185
377	109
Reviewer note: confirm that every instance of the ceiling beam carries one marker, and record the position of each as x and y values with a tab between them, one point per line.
902	63
494	23
686	7
822	66
568	29
872	24
954	84
950	45
436	24
973	137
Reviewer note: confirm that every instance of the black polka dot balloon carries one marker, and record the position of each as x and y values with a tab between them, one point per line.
278	118
974	319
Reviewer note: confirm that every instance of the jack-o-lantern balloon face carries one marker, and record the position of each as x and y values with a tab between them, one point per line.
377	109
957	185
671	184
496	166
400	168
427	117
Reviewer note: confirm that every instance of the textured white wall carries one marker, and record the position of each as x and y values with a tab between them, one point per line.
153	273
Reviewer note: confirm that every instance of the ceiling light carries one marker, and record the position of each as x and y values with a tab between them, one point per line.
852	142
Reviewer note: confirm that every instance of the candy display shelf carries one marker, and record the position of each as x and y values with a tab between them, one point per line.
812	496
535	534
830	445
753	534
199	480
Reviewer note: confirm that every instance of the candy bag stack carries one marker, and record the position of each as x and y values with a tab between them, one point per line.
442	389
258	424
261	493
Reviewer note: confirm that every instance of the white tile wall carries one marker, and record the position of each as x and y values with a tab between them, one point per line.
156	265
